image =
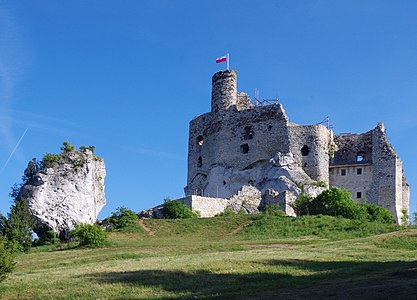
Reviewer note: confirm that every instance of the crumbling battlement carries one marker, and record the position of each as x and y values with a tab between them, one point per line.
234	146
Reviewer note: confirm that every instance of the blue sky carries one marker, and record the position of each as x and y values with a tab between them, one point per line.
128	76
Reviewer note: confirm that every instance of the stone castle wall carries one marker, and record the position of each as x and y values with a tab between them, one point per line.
232	145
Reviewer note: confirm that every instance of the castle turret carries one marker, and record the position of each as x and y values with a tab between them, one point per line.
224	90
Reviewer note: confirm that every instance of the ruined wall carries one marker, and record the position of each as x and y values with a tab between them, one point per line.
236	139
357	179
206	206
367	165
310	147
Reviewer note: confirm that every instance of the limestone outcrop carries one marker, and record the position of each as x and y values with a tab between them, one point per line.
65	190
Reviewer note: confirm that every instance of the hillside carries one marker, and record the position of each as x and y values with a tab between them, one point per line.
238	257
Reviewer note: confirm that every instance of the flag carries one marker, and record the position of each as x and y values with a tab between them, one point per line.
221	59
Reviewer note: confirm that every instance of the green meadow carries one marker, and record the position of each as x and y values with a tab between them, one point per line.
235	257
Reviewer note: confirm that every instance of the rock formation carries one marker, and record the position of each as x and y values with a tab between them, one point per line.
65	190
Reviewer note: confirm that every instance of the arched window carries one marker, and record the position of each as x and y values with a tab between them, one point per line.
200	140
305	150
248	135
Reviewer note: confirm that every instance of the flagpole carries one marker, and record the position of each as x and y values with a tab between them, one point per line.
227	61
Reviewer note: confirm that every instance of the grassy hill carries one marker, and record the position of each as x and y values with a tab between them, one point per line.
237	257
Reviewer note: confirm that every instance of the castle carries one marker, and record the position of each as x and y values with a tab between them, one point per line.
239	144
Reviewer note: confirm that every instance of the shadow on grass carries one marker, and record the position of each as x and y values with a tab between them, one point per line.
317	280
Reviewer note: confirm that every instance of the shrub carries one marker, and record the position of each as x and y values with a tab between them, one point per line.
405	219
122	217
302	204
7	262
49	160
174	209
49	238
274	210
378	213
332	202
226	213
90	235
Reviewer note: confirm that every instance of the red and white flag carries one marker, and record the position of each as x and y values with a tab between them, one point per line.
221	59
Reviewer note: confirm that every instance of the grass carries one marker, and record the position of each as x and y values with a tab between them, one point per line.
265	258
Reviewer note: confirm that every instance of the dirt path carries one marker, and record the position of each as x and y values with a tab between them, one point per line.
239	229
144	227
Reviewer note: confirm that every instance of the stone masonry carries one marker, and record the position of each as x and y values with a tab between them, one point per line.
239	144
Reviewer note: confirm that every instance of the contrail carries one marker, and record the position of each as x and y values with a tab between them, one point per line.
14	149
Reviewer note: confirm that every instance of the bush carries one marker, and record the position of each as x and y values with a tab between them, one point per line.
332	202
90	235
274	210
7	262
302	205
122	217
49	160
378	213
226	213
174	209
48	238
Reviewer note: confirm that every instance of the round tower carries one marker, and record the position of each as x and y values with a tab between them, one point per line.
224	90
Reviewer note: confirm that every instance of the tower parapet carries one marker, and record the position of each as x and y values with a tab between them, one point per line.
224	90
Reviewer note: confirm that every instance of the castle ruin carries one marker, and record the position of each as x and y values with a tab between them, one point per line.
239	145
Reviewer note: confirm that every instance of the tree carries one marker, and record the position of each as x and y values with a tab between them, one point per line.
7	262
19	225
67	147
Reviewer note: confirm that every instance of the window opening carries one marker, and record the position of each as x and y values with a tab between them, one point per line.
200	162
359	195
305	150
359	171
343	172
244	148
200	140
248	135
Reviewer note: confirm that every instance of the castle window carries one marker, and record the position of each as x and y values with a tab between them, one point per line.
244	148
248	135
200	162
305	150
343	172
359	171
360	157
358	195
200	140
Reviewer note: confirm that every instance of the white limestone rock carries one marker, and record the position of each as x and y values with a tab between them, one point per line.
68	193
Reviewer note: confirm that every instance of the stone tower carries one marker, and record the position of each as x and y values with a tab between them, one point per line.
224	90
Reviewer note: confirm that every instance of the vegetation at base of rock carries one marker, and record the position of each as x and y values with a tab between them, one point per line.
319	184
7	257
122	217
90	235
174	209
49	238
338	202
18	226
274	210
